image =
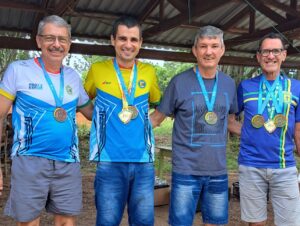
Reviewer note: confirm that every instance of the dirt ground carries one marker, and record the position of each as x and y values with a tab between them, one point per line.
87	218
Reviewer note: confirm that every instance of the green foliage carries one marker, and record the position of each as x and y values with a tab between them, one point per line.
166	71
9	55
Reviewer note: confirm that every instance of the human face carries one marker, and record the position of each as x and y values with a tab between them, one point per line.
127	44
54	43
271	64
208	52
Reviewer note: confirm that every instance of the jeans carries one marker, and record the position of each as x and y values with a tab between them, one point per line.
118	184
186	190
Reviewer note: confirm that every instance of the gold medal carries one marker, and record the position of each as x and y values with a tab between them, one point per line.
60	114
280	120
125	115
257	121
270	126
211	118
134	111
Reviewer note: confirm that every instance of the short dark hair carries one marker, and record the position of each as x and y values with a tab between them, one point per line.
273	35
128	21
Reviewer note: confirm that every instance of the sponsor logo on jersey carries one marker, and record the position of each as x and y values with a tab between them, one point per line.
142	84
69	90
35	86
106	83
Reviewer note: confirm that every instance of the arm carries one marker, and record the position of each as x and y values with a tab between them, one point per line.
5	106
297	137
233	125
87	110
156	118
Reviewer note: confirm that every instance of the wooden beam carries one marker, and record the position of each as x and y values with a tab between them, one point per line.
199	9
251	21
105	50
271	14
148	10
63	6
181	6
290	25
291	11
21	6
38	17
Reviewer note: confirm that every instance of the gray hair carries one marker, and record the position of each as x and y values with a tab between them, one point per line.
209	32
53	19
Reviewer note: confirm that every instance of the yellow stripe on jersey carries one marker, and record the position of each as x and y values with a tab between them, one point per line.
7	95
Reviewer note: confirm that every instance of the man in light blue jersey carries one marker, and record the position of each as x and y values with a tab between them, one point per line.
44	95
271	129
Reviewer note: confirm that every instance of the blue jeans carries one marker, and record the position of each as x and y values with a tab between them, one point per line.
186	190
118	184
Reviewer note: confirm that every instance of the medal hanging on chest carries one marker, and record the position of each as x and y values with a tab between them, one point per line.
59	113
210	116
129	111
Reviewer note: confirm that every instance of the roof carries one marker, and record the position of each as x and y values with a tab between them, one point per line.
166	24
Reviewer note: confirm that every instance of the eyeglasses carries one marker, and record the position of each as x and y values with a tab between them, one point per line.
266	52
52	39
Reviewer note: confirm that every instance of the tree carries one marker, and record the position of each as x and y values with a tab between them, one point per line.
9	55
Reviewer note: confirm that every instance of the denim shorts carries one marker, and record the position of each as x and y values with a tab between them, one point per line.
187	190
38	183
283	188
118	184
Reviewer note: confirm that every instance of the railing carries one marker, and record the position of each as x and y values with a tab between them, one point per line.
162	152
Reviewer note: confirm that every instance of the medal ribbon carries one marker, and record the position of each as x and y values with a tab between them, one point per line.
275	94
127	94
58	99
209	103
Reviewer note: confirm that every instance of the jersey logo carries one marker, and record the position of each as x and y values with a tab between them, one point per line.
35	86
142	84
69	89
106	83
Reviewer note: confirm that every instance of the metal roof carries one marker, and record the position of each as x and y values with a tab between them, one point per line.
166	24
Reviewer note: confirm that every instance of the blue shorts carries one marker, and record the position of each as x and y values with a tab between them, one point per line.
118	184
211	191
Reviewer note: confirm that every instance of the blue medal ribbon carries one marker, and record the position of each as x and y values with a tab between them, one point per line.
272	92
209	103
58	99
129	93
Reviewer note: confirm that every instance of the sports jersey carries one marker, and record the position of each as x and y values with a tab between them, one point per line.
258	147
198	148
36	131
111	140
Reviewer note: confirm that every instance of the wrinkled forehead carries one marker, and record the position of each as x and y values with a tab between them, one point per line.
271	43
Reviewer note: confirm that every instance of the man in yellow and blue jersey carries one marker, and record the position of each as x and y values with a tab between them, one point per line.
121	139
270	131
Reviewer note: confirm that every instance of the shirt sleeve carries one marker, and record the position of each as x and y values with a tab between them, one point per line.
89	84
8	83
240	98
83	98
169	99
234	105
155	93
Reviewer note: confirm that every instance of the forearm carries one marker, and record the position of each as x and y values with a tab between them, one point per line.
233	125
297	137
156	118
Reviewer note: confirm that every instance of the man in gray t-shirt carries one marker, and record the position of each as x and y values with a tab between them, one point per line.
202	101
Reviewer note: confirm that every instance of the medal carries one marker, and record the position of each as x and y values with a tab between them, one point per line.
270	126
60	114
134	111
257	121
211	118
125	116
280	120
